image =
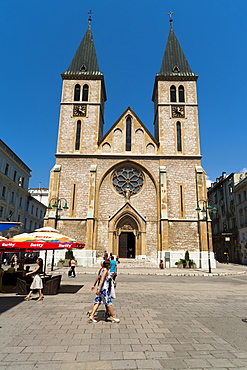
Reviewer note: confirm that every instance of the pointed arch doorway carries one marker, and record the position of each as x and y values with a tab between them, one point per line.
127	233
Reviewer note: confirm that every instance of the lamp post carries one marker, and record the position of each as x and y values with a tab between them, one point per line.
206	209
59	204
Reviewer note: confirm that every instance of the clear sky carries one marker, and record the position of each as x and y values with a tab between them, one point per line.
39	39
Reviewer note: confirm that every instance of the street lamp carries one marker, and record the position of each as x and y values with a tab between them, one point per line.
59	204
206	209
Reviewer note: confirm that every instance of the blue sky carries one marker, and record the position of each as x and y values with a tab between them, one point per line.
39	39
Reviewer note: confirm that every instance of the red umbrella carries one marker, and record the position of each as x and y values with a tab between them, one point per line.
45	238
41	239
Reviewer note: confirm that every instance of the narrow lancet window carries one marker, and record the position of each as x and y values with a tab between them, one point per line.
179	137
78	135
73	198
173	94
77	92
128	134
181	94
181	196
85	92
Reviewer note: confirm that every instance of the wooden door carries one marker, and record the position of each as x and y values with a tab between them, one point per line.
123	243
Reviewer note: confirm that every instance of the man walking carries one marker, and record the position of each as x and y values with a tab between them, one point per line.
113	269
73	266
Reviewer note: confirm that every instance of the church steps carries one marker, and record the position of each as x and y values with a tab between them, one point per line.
132	263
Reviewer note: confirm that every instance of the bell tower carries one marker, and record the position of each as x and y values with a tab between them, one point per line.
175	103
82	102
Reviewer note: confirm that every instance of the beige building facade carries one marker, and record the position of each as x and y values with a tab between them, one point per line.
240	193
130	192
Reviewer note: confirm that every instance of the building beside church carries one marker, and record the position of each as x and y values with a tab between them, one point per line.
224	222
130	192
229	225
16	202
240	192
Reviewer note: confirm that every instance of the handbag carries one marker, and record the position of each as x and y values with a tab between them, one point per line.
112	292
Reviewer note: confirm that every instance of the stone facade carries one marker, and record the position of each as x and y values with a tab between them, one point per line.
129	192
224	222
240	195
16	202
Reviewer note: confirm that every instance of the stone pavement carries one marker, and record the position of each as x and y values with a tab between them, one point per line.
167	322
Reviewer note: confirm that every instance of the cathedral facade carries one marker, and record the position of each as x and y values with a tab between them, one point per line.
130	192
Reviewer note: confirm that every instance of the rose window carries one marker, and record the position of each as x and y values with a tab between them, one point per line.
127	180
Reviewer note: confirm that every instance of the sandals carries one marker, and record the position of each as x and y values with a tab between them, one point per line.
114	319
40	299
91	319
27	298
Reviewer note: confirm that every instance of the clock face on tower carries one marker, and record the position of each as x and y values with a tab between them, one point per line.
79	110
178	111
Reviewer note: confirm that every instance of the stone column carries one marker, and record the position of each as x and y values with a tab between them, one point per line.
163	210
91	208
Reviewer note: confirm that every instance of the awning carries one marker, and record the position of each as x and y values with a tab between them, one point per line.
37	246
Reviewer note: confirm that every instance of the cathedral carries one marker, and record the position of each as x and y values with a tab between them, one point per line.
128	191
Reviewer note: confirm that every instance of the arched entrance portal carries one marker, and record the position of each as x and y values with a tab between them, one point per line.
127	245
127	231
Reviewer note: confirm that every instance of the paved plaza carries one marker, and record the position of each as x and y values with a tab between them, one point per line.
167	322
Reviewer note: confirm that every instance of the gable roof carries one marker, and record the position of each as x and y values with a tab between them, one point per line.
131	112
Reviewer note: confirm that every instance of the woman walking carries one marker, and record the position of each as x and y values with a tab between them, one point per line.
103	294
37	281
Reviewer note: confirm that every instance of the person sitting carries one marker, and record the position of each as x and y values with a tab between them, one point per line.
11	269
20	267
161	265
27	269
28	278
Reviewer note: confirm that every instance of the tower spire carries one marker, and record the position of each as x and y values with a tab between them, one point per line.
174	62
85	60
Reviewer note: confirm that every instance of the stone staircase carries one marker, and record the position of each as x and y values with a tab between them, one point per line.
130	263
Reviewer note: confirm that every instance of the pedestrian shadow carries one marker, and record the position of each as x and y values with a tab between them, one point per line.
69	289
101	315
9	302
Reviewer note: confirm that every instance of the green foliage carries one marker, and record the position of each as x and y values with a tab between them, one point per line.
191	263
181	262
61	260
69	254
186	261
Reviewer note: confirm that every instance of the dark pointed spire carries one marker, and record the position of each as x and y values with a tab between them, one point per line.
174	61
85	60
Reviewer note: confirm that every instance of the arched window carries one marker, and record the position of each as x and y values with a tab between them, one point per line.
179	137
77	92
181	94
128	134
85	93
173	94
78	135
